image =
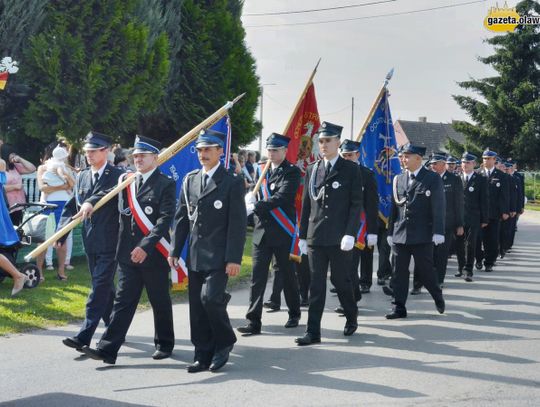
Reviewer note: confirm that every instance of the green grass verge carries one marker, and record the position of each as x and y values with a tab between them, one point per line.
532	207
56	303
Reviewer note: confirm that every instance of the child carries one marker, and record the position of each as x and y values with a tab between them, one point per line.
56	170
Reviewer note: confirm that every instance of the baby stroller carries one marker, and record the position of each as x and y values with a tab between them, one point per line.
25	239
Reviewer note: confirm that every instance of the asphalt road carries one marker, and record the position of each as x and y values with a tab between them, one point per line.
485	350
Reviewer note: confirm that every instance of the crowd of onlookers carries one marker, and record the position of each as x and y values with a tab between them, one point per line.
56	175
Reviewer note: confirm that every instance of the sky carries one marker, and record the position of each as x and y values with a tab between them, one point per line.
430	52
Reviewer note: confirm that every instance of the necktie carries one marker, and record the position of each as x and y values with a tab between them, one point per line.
205	181
411	179
95	180
328	168
140	183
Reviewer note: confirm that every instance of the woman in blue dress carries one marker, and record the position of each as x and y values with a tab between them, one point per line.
8	237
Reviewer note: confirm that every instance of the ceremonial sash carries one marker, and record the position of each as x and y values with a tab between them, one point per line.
361	235
178	275
290	227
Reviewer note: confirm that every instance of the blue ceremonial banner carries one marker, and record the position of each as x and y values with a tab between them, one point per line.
186	161
378	151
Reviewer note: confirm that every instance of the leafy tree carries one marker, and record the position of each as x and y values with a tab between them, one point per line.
92	68
507	117
19	20
210	64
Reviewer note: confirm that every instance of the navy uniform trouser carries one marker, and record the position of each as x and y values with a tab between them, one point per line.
466	248
303	276
491	241
423	260
209	321
131	281
99	304
262	255
320	257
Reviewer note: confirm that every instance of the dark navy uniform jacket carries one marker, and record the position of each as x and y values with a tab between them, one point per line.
157	199
337	212
453	191
513	193
99	232
371	199
420	209
217	230
520	191
499	199
476	200
283	184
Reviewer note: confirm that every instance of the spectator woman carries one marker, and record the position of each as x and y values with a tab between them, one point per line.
8	237
16	166
57	193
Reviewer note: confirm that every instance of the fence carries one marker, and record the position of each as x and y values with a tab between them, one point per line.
32	195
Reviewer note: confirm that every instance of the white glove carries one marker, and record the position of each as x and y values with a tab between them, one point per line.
250	208
438	239
250	199
302	245
371	240
390	240
347	243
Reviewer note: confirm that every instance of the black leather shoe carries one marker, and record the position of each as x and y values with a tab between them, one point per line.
159	354
220	358
416	291
249	330
478	265
339	310
197	367
271	306
292	323
307	339
459	274
350	329
468	278
388	291
488	269
73	342
381	281
396	314
364	289
440	306
333	290
98	354
304	303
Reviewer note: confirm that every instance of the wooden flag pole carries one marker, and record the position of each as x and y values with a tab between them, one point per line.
374	106
164	156
300	99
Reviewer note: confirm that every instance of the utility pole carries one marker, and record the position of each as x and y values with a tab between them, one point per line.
261	114
352	118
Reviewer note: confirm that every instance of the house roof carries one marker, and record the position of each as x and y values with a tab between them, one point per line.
431	135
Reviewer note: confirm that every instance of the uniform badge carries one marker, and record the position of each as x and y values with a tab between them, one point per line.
148	210
272	186
471	189
428	193
335	185
498	184
218	204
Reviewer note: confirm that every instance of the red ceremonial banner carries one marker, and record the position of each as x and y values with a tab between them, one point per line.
303	148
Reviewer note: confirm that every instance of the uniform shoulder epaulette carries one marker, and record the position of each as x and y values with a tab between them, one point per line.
193	172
